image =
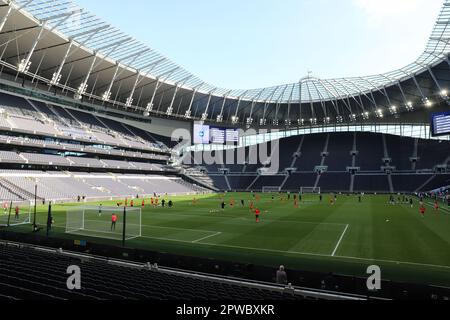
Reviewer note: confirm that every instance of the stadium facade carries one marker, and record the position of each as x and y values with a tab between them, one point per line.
61	48
88	114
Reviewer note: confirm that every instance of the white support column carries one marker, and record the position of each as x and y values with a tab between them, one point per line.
25	64
235	118
83	86
150	104
220	116
189	110
205	114
107	94
57	75
170	109
130	98
5	17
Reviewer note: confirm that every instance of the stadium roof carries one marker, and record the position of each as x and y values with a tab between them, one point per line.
89	52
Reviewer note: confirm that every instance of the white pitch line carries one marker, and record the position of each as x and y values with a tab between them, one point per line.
339	242
298	253
207	237
430	204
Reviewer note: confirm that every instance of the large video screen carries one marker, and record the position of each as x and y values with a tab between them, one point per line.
205	134
440	124
200	133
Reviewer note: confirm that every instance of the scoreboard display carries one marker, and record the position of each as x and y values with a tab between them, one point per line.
440	124
204	134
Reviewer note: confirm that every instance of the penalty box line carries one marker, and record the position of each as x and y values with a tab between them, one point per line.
336	257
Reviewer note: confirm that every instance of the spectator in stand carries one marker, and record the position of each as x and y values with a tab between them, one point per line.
282	276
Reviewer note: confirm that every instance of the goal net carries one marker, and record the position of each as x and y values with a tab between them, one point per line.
270	189
310	190
15	213
97	222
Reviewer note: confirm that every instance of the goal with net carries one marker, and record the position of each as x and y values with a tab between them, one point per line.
310	190
15	213
271	189
97	222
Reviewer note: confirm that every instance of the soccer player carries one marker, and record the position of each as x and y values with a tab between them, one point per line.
257	214
100	210
411	202
126	202
143	203
152	201
132	203
436	206
16	216
223	205
232	203
243	203
156	201
296	203
252	206
423	210
5	207
114	219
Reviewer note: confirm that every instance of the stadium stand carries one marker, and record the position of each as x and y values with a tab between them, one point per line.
57	186
97	130
38	273
374	153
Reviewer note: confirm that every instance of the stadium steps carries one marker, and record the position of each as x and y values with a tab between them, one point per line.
118	135
138	138
4	185
322	163
294	160
19	192
425	184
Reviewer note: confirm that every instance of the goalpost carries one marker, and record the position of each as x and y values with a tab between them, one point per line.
310	190
15	213
271	189
96	222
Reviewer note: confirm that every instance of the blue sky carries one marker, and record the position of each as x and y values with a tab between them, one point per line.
242	44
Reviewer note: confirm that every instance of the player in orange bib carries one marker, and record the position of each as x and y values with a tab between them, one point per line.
257	214
252	206
156	201
143	203
423	210
296	204
232	203
152	201
436	206
114	219
132	203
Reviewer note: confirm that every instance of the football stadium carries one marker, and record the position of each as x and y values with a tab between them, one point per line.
122	166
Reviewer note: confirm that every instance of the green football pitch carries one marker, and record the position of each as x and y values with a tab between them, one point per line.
344	238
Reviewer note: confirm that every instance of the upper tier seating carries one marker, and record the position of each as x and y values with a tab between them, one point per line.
39	118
